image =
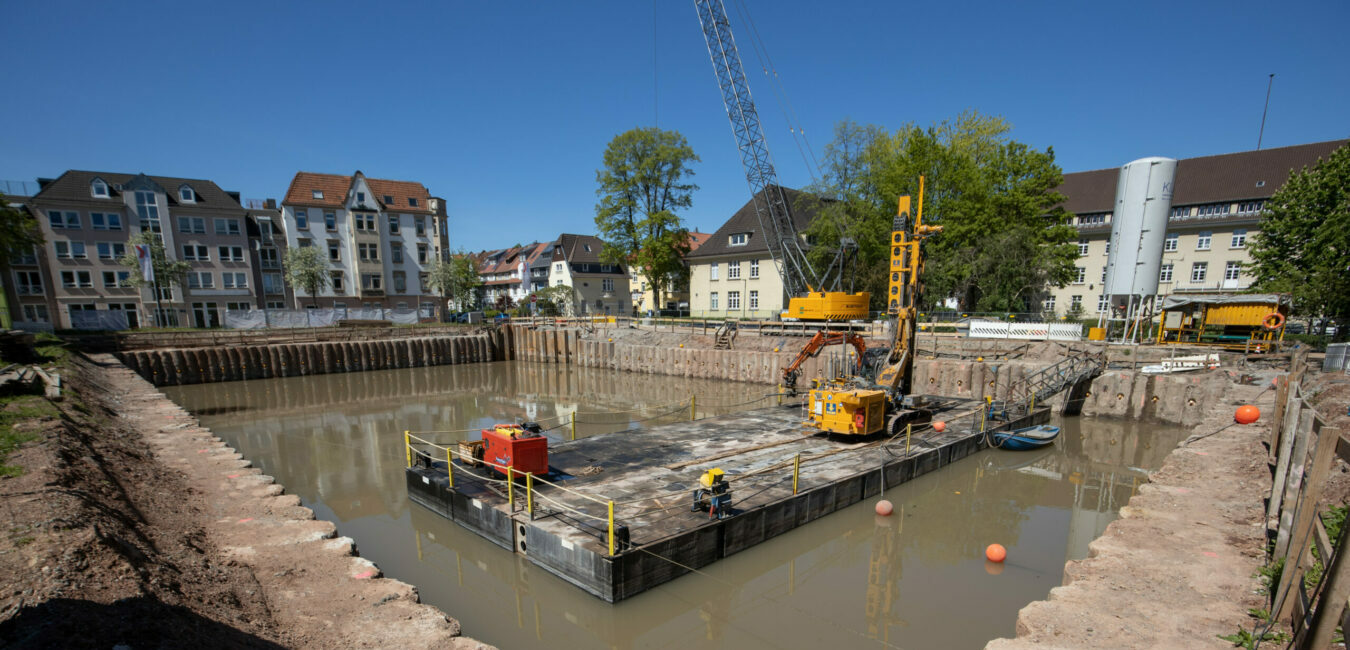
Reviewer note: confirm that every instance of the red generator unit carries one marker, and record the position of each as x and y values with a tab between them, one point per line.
522	448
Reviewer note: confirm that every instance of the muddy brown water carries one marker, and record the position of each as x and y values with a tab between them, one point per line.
917	579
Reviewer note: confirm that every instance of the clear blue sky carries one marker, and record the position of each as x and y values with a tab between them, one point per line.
504	108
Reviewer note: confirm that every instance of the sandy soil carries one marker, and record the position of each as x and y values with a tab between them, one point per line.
107	543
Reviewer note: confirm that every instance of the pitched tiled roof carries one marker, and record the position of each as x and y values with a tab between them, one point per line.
581	249
336	186
804	207
74	185
1208	179
697	239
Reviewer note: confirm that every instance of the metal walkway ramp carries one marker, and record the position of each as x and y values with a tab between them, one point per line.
1046	382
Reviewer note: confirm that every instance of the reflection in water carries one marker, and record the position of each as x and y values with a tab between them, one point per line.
916	579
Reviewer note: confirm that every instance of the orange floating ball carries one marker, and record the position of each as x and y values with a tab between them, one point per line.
1247	414
995	553
939	426
884	508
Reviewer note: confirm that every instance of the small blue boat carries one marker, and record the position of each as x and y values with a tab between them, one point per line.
1028	438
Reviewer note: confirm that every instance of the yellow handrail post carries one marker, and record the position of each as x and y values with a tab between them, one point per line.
796	471
984	412
611	528
780	394
909	429
510	488
407	446
529	494
692	400
1033	404
449	469
574	425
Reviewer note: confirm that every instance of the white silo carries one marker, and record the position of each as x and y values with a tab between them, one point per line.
1138	229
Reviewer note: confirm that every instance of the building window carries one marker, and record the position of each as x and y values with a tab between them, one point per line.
733	300
754	299
99	188
1107	251
365	221
196	253
420	223
111	250
1048	305
372	281
1251	207
1103	274
424	282
1165	273
318	194
1202	241
234	280
29	284
754	269
712	273
1181	213
335	277
59	219
1232	270
77	280
1082	247
227	226
304	242
733	271
192	225
1170	243
1102	304
737	239
396	252
201	280
712	301
330	221
147	208
105	221
277	304
36	314
335	250
1080	275
1198	271
368	252
1075	303
232	253
272	283
393	224
400	282
388	200
607	285
302	219
70	250
421	253
1239	239
116	279
412	202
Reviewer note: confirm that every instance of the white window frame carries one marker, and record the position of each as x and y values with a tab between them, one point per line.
317	194
186	194
733	301
98	188
1165	273
1199	271
28	283
1203	240
733	271
754	269
712	273
1239	239
110	221
115	250
120	279
607	285
754	300
1232	270
230	253
233	280
1080	276
738	239
1170	242
301	219
63	220
1082	246
231	226
712	301
192	225
337	280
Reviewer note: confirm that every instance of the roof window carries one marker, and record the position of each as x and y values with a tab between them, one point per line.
737	239
587	247
388	200
186	195
318	194
98	188
412	201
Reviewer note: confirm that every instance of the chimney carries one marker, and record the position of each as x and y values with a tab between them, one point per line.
234	195
44	182
270	204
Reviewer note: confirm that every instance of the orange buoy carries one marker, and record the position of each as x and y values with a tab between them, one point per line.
995	553
884	508
1247	414
939	426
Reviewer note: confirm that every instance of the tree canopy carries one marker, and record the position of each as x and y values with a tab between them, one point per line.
1004	240
19	233
1303	247
456	279
644	181
306	270
167	272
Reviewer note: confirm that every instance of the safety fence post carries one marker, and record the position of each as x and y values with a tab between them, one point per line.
529	494
780	394
574	425
909	429
611	528
407	446
693	399
510	488
796	471
449	469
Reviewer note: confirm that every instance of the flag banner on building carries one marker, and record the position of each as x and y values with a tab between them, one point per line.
147	267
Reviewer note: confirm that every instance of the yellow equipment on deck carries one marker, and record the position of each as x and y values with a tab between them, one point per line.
828	305
1233	321
837	409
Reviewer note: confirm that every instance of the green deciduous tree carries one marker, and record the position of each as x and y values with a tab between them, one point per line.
645	180
1304	244
456	279
1004	239
167	272
19	233
306	270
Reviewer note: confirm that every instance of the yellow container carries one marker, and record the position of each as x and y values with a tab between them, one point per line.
1096	333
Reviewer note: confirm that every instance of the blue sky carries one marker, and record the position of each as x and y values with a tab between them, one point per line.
504	108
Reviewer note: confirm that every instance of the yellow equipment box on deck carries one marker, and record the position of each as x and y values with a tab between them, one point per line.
854	412
828	305
1096	333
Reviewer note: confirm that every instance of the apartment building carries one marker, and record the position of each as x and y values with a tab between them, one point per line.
676	294
380	238
87	219
1216	212
732	274
506	273
267	247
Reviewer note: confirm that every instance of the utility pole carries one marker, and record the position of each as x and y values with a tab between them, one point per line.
1262	134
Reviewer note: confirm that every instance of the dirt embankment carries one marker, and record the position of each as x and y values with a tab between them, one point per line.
131	525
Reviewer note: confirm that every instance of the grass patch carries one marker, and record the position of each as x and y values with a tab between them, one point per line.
1245	639
13	410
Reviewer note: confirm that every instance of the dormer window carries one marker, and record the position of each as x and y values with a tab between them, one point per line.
99	188
412	202
388	200
186	195
738	239
318	194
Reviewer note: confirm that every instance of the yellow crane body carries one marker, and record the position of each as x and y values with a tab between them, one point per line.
828	305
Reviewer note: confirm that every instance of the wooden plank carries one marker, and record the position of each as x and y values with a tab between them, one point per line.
1311	499
1277	417
1282	459
1331	606
1294	485
1321	541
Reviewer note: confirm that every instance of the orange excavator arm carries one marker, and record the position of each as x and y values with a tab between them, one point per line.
813	347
